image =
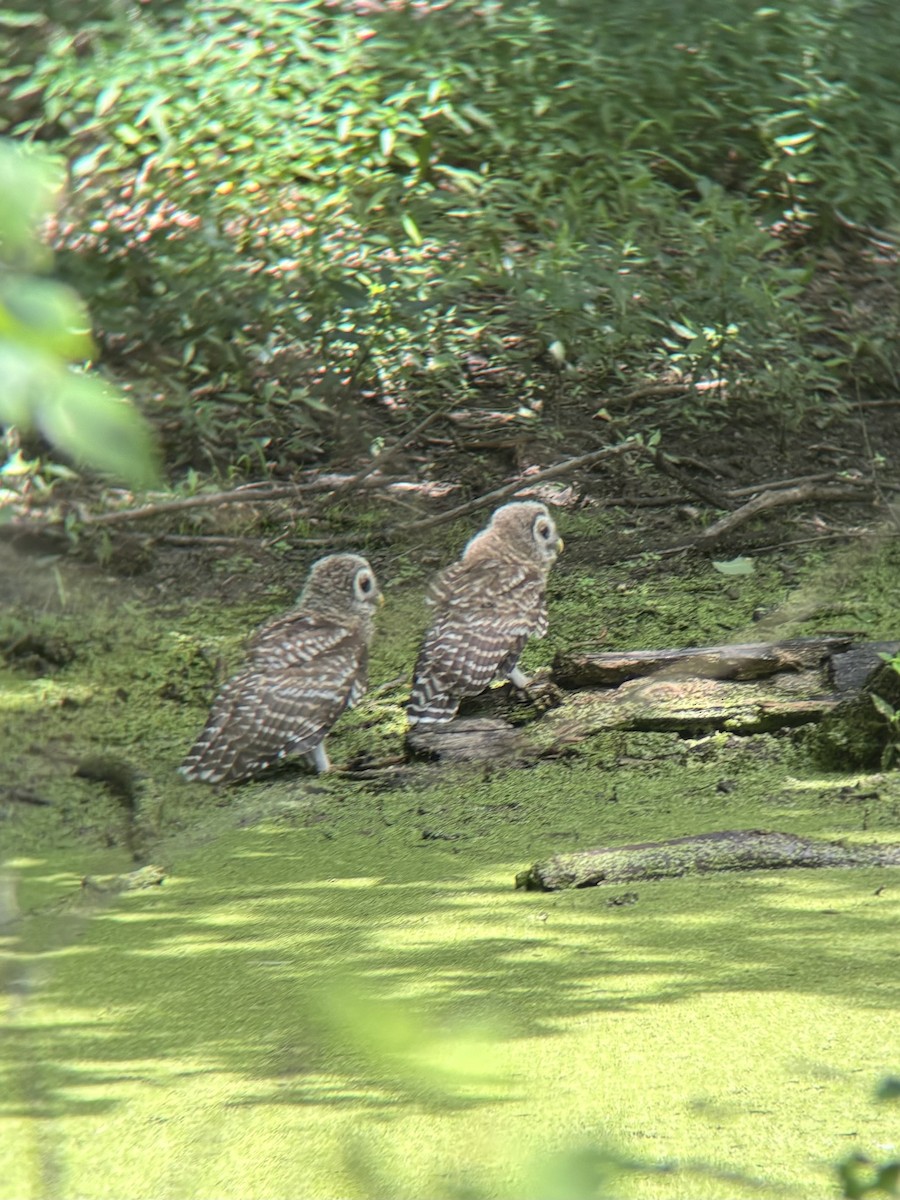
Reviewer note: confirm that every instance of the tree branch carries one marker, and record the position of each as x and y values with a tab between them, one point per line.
524	481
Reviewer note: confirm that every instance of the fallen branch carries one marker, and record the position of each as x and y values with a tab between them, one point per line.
749	660
248	493
804	494
383	456
650	389
245	494
744	689
667	467
777	484
524	481
730	850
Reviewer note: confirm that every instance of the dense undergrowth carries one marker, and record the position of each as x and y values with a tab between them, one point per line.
279	211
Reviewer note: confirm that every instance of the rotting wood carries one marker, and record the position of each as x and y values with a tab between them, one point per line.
852	669
690	707
467	740
748	660
728	850
742	690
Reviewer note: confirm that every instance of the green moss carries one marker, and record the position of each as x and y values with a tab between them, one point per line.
311	1007
338	991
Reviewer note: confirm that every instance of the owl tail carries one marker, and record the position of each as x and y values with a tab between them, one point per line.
213	759
208	767
430	706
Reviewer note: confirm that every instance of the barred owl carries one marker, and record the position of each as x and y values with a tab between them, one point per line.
304	668
487	606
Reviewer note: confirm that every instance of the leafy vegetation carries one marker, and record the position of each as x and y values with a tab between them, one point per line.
883	706
284	207
859	1176
43	329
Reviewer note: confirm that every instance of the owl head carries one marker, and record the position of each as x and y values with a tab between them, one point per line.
523	529
341	583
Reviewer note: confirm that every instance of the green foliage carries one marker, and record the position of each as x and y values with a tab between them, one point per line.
858	1175
345	198
43	328
891	753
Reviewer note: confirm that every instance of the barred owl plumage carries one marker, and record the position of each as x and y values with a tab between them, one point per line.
487	605
303	669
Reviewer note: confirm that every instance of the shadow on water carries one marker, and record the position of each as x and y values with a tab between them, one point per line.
263	968
344	964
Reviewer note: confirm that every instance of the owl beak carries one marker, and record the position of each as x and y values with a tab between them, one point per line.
380	599
560	545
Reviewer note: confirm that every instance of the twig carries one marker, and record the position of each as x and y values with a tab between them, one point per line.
833	536
638	501
524	481
250	493
185	539
650	389
383	455
245	494
790	496
774	484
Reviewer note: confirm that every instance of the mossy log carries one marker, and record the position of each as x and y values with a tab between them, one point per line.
744	689
729	850
749	660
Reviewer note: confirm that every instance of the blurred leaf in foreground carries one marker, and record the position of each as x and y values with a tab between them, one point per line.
43	329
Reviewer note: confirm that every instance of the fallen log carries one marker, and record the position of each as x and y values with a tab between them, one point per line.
748	660
729	850
466	740
749	688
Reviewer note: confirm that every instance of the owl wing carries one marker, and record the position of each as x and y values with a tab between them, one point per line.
282	704
485	613
296	638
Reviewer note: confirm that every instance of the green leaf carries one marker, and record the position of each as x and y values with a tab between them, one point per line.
411	229
886	710
107	99
48	316
795	139
95	427
736	566
16	20
28	184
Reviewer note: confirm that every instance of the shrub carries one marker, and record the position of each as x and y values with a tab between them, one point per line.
354	198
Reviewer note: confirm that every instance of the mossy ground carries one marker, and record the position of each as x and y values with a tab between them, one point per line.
337	992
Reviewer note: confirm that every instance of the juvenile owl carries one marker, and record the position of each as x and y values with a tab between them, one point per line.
487	605
304	668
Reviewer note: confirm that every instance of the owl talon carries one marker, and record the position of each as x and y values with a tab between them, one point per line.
544	694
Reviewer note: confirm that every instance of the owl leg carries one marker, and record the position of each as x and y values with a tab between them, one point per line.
517	679
538	690
319	759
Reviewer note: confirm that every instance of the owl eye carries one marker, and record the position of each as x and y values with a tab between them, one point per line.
365	583
544	530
